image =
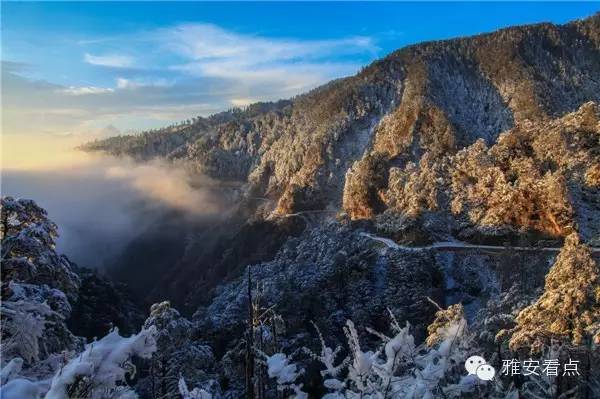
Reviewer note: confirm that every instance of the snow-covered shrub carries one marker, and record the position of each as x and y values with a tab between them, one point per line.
327	357
286	374
23	326
196	393
100	370
33	322
399	368
454	315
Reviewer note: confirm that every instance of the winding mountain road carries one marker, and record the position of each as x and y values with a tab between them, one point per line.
459	246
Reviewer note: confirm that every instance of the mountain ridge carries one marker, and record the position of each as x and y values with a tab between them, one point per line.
336	145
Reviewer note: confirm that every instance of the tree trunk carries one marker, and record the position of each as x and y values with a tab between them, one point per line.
250	343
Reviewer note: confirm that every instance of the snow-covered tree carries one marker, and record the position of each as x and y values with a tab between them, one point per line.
28	247
177	356
23	327
196	393
569	308
33	322
99	372
286	373
498	316
37	285
399	368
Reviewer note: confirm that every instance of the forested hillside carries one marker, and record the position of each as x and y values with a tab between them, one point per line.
328	317
442	203
410	107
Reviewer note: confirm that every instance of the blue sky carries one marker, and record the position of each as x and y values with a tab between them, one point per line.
91	69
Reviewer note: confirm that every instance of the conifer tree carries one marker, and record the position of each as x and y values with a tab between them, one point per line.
569	308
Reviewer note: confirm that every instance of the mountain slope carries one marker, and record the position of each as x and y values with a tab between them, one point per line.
432	98
492	139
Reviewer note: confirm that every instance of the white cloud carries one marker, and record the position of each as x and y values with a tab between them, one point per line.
289	79
109	60
177	73
209	42
123	83
83	90
295	65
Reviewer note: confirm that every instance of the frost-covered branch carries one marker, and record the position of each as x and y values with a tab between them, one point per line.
101	368
196	393
285	373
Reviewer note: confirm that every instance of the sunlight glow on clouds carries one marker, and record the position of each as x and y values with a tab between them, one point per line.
242	102
163	182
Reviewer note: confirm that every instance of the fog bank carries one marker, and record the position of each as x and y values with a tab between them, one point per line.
104	203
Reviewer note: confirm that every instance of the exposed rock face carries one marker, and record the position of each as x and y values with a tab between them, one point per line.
346	143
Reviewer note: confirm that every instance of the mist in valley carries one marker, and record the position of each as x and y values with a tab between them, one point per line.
106	207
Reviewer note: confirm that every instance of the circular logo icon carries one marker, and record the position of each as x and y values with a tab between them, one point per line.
486	372
473	363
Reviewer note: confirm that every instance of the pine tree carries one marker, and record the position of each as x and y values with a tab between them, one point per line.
569	308
178	355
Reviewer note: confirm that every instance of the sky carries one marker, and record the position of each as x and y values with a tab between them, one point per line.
76	71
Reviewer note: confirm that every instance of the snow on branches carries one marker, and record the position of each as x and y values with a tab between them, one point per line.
569	308
196	393
285	373
99	371
399	368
